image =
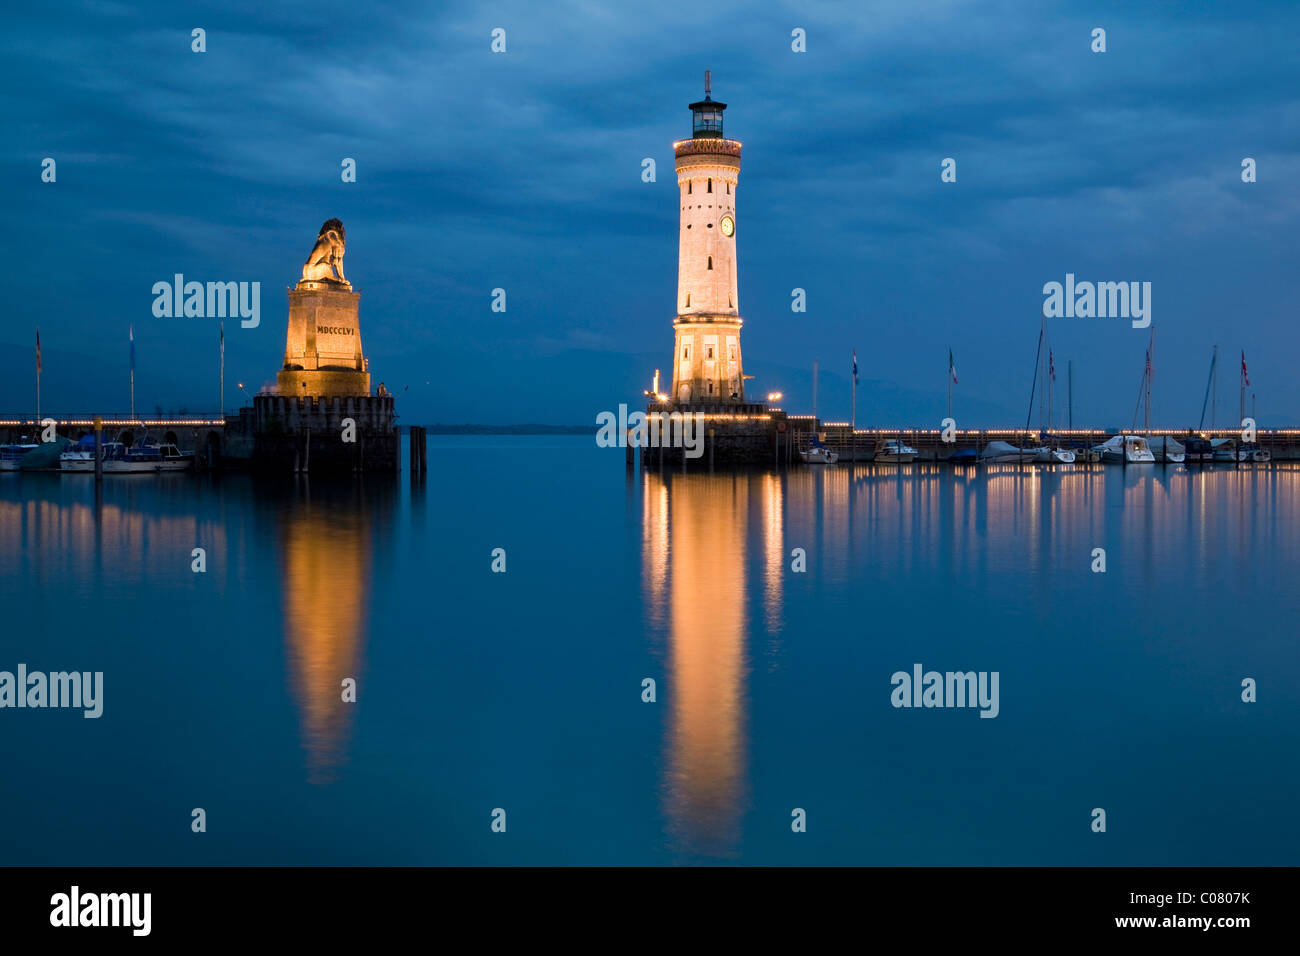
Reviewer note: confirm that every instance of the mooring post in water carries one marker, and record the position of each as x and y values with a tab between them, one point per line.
99	448
416	451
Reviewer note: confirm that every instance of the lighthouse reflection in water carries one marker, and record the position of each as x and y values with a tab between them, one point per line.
696	562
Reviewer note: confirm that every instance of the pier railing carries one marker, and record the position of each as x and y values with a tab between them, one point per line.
860	444
116	420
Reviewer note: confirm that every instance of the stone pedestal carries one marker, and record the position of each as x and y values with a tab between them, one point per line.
322	353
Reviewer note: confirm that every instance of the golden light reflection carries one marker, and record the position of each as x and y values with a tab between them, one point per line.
326	567
68	540
773	552
704	538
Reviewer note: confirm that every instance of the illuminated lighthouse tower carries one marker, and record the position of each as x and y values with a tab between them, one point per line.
706	364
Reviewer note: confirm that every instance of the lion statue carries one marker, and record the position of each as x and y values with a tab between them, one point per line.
327	255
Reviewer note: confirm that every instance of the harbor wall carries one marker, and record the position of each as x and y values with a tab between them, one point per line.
284	434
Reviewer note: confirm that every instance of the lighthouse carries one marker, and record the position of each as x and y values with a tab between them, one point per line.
706	364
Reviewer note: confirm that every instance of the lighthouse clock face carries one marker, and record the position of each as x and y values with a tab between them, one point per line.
728	226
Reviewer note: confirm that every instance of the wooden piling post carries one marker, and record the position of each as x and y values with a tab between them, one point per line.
99	449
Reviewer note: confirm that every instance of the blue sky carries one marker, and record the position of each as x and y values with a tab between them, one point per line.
522	171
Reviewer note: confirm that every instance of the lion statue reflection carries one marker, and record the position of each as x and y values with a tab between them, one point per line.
326	257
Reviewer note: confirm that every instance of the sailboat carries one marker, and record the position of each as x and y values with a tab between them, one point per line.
1132	449
1051	452
1197	448
818	453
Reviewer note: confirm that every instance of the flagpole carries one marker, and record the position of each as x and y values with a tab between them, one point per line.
131	335
221	409
38	379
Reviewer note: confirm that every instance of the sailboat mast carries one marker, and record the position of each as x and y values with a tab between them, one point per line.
1242	376
1206	400
1038	362
1214	384
1151	347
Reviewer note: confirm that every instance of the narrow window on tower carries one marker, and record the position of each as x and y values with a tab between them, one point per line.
688	187
710	185
708	352
688	300
686	352
728	188
710	262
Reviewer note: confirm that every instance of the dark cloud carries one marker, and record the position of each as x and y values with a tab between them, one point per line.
522	171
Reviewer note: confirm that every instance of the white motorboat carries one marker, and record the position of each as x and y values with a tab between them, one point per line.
891	450
819	454
149	459
11	456
173	459
1126	449
81	456
1053	456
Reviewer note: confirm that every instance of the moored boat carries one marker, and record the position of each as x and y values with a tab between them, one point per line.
1001	452
1252	452
893	451
1052	456
818	454
1224	449
1126	449
145	458
1197	449
174	459
1166	449
11	456
81	456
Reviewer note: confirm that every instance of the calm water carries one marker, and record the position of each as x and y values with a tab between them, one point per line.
523	690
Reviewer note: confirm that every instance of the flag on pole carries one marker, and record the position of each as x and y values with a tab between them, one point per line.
1245	377
223	339
855	366
952	369
131	335
1051	364
38	351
